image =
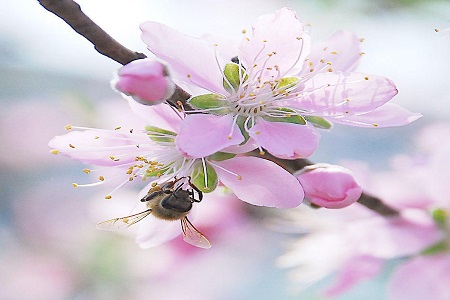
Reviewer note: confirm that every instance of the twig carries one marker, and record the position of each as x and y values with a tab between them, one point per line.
71	13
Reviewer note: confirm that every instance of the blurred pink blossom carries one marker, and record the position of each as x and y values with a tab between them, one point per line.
356	243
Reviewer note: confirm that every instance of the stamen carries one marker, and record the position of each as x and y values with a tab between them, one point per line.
205	172
239	177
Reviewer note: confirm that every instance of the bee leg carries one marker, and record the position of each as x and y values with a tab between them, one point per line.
191	192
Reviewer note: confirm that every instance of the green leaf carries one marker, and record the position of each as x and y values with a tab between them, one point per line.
198	178
439	247
160	135
440	217
220	156
210	101
319	122
289	116
231	73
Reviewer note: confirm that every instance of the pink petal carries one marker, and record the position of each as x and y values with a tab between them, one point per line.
275	33
387	115
423	277
409	234
193	61
162	116
261	182
285	140
345	94
353	272
202	135
101	147
342	50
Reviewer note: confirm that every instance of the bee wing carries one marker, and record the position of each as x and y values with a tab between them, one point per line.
192	236
123	222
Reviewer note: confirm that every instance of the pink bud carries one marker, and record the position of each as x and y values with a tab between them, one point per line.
146	80
329	186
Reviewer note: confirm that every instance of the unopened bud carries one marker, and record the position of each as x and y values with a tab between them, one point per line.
146	80
329	186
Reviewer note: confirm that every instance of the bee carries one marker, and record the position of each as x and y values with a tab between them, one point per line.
169	203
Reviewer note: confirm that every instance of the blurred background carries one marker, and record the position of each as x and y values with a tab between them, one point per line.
51	76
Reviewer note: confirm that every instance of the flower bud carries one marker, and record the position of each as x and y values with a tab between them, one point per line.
146	80
329	186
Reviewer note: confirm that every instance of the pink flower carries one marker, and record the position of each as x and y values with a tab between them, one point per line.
329	186
422	277
152	153
146	80
269	91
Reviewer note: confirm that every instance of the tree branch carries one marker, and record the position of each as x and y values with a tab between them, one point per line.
369	201
71	13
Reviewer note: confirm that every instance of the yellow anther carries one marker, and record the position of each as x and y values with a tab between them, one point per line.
68	127
117	128
96	137
54	151
375	125
311	70
74	185
361	40
87	171
330	70
361	53
244	31
71	146
366	78
108	197
334	52
239	177
310	63
262	152
230	137
101	178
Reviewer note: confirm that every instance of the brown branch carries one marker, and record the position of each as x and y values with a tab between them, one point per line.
71	13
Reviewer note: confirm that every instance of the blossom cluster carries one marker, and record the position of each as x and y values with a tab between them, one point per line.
271	93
